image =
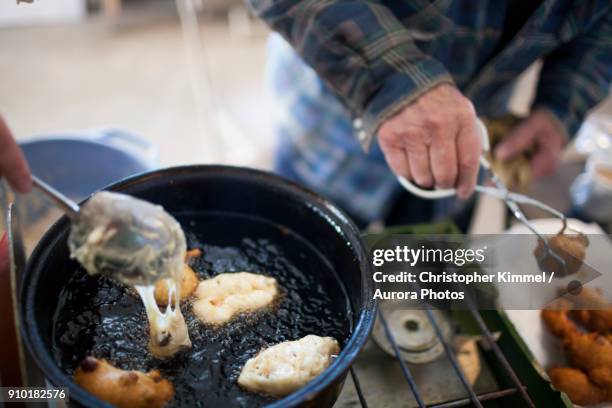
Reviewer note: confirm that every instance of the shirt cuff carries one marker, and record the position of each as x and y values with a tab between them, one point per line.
398	91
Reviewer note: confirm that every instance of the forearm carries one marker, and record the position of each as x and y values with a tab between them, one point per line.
363	53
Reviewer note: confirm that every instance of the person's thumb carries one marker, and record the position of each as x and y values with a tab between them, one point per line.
13	164
520	139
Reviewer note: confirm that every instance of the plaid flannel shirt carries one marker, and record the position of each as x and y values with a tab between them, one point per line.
372	58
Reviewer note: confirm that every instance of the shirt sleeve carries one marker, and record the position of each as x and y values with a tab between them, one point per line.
577	75
361	51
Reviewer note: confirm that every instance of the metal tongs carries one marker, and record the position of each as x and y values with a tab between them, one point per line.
500	191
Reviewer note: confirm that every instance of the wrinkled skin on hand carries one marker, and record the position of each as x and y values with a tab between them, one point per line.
434	141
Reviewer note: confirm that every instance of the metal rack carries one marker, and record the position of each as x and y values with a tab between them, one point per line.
473	398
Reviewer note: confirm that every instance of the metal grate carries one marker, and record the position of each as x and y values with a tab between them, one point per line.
473	398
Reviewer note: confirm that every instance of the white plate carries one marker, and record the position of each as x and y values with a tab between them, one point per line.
545	347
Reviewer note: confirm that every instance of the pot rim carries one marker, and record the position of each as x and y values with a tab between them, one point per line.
360	330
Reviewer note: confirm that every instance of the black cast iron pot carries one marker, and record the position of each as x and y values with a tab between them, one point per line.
192	189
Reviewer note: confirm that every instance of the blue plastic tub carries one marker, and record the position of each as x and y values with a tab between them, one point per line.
80	163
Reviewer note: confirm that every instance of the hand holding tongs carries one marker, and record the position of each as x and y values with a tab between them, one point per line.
511	199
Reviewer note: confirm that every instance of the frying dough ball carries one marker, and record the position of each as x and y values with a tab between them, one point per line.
221	298
189	281
168	332
286	367
124	389
193	253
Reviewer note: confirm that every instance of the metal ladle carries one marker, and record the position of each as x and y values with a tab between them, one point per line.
121	236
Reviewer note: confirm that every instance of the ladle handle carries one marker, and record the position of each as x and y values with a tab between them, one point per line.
64	203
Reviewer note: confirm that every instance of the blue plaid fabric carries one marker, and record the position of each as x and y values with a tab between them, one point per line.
361	61
316	144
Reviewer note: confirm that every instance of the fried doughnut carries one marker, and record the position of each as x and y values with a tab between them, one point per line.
589	379
587	351
570	247
557	320
286	367
193	253
189	281
578	387
124	389
221	298
168	332
595	310
596	320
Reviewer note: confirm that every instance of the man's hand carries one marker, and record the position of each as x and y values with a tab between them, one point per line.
13	165
541	132
434	141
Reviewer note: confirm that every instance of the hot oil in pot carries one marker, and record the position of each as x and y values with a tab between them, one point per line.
100	317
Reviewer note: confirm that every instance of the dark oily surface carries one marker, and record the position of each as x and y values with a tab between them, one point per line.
97	316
